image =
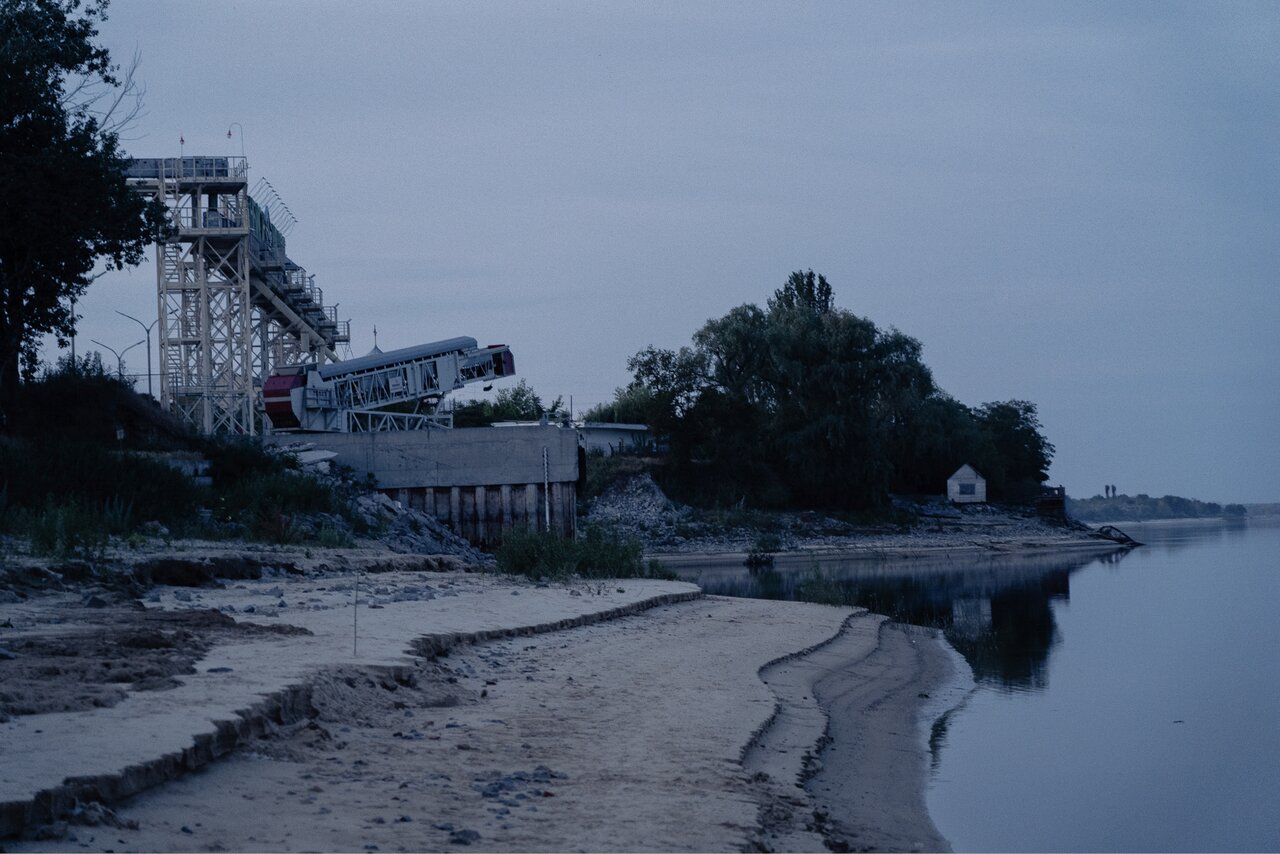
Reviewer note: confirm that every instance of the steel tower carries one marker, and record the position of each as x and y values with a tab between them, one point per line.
232	305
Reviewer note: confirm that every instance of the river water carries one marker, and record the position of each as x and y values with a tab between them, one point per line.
1120	702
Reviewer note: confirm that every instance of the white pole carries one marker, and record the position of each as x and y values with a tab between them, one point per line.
546	489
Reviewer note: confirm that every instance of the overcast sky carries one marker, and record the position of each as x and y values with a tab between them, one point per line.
1074	204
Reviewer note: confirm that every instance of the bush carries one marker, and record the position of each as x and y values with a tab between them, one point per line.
123	489
67	530
537	555
601	553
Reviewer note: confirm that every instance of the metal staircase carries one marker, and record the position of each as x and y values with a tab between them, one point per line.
232	304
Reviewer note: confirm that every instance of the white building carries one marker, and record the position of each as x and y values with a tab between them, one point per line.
966	486
613	438
603	436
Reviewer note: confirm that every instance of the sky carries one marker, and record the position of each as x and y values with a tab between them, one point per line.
1072	204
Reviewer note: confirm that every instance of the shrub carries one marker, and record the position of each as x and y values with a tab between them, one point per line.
67	530
119	488
601	553
537	555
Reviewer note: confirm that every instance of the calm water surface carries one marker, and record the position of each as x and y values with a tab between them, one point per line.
1125	702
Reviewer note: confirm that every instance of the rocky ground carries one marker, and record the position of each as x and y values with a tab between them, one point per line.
636	506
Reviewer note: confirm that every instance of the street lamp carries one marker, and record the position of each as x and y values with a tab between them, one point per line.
119	355
147	327
238	125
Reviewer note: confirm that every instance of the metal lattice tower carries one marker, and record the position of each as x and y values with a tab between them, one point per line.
232	305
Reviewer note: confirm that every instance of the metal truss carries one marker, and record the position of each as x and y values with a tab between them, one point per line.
387	422
233	307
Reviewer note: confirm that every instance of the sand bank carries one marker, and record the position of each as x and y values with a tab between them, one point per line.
688	726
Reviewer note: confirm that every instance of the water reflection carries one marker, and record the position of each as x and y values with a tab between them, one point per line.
995	610
1171	536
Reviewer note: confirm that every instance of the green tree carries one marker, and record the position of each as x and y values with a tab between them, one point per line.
634	404
794	403
1015	459
805	403
518	403
65	206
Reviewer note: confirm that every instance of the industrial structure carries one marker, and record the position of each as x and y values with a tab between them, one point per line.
232	305
479	481
373	392
248	346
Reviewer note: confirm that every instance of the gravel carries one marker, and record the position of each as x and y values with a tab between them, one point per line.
637	507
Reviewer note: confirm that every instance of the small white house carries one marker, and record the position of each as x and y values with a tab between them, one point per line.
966	486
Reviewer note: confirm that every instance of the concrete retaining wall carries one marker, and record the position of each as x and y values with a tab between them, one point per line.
479	481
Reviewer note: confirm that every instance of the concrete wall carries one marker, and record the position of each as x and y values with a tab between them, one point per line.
479	481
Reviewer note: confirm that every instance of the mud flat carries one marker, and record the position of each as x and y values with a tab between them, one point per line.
709	724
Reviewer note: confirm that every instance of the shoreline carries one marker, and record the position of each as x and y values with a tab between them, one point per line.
906	553
639	727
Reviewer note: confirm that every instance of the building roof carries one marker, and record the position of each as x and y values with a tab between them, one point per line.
966	472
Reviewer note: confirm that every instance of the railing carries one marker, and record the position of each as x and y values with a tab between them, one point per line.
184	168
219	219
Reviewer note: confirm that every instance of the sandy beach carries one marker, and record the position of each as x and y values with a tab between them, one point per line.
655	724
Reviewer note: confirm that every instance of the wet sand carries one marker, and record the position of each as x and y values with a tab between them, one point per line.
700	726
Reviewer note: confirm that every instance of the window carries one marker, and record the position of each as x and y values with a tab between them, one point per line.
968	489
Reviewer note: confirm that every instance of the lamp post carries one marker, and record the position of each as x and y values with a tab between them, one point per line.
119	355
238	125
148	328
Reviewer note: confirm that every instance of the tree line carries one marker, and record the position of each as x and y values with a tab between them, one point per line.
805	404
1121	508
518	403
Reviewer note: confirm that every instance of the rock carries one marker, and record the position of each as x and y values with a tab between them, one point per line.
7	654
463	837
46	832
153	529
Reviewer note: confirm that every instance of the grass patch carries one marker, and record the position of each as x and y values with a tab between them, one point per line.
44	487
600	553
